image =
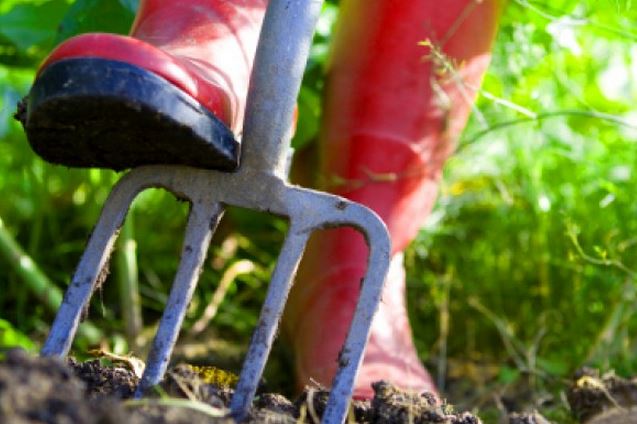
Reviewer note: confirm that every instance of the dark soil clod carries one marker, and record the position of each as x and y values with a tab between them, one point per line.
181	381
592	394
527	418
105	381
276	403
312	403
45	390
391	405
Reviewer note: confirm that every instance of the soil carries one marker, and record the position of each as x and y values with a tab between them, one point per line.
599	399
49	390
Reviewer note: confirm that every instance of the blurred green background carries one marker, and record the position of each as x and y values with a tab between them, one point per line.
524	272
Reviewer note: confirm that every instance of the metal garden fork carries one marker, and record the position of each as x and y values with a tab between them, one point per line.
260	183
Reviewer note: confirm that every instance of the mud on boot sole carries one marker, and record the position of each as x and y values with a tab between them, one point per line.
92	112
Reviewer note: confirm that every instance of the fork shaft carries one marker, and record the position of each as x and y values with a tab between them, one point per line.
271	313
282	53
202	221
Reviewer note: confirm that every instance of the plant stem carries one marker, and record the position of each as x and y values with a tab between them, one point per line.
128	281
236	269
28	271
36	281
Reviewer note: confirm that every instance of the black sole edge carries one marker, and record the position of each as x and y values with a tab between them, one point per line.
91	112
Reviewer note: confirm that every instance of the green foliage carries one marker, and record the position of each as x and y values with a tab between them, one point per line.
97	16
28	29
310	96
11	337
531	247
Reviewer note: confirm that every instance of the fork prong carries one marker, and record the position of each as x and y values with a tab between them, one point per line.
266	329
351	355
92	263
202	221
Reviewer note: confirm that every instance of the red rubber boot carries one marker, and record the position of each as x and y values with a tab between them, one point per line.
172	92
392	115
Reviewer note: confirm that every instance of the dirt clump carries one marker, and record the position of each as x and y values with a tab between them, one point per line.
590	395
615	416
105	381
391	405
45	390
311	405
183	382
527	418
276	404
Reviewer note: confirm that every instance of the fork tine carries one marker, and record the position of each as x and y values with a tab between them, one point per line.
202	221
266	329
93	262
351	356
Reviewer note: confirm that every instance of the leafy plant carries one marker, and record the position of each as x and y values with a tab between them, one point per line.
10	337
529	251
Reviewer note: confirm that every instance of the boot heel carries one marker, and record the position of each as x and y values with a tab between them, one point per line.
92	112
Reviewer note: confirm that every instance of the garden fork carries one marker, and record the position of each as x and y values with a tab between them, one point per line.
260	183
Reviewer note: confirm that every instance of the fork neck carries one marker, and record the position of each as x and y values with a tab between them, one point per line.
282	54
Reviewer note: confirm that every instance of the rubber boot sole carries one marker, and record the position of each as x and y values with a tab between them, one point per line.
92	112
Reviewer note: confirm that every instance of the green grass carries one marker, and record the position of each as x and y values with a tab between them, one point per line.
530	251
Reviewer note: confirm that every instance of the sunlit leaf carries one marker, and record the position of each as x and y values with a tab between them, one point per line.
10	337
96	16
31	25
